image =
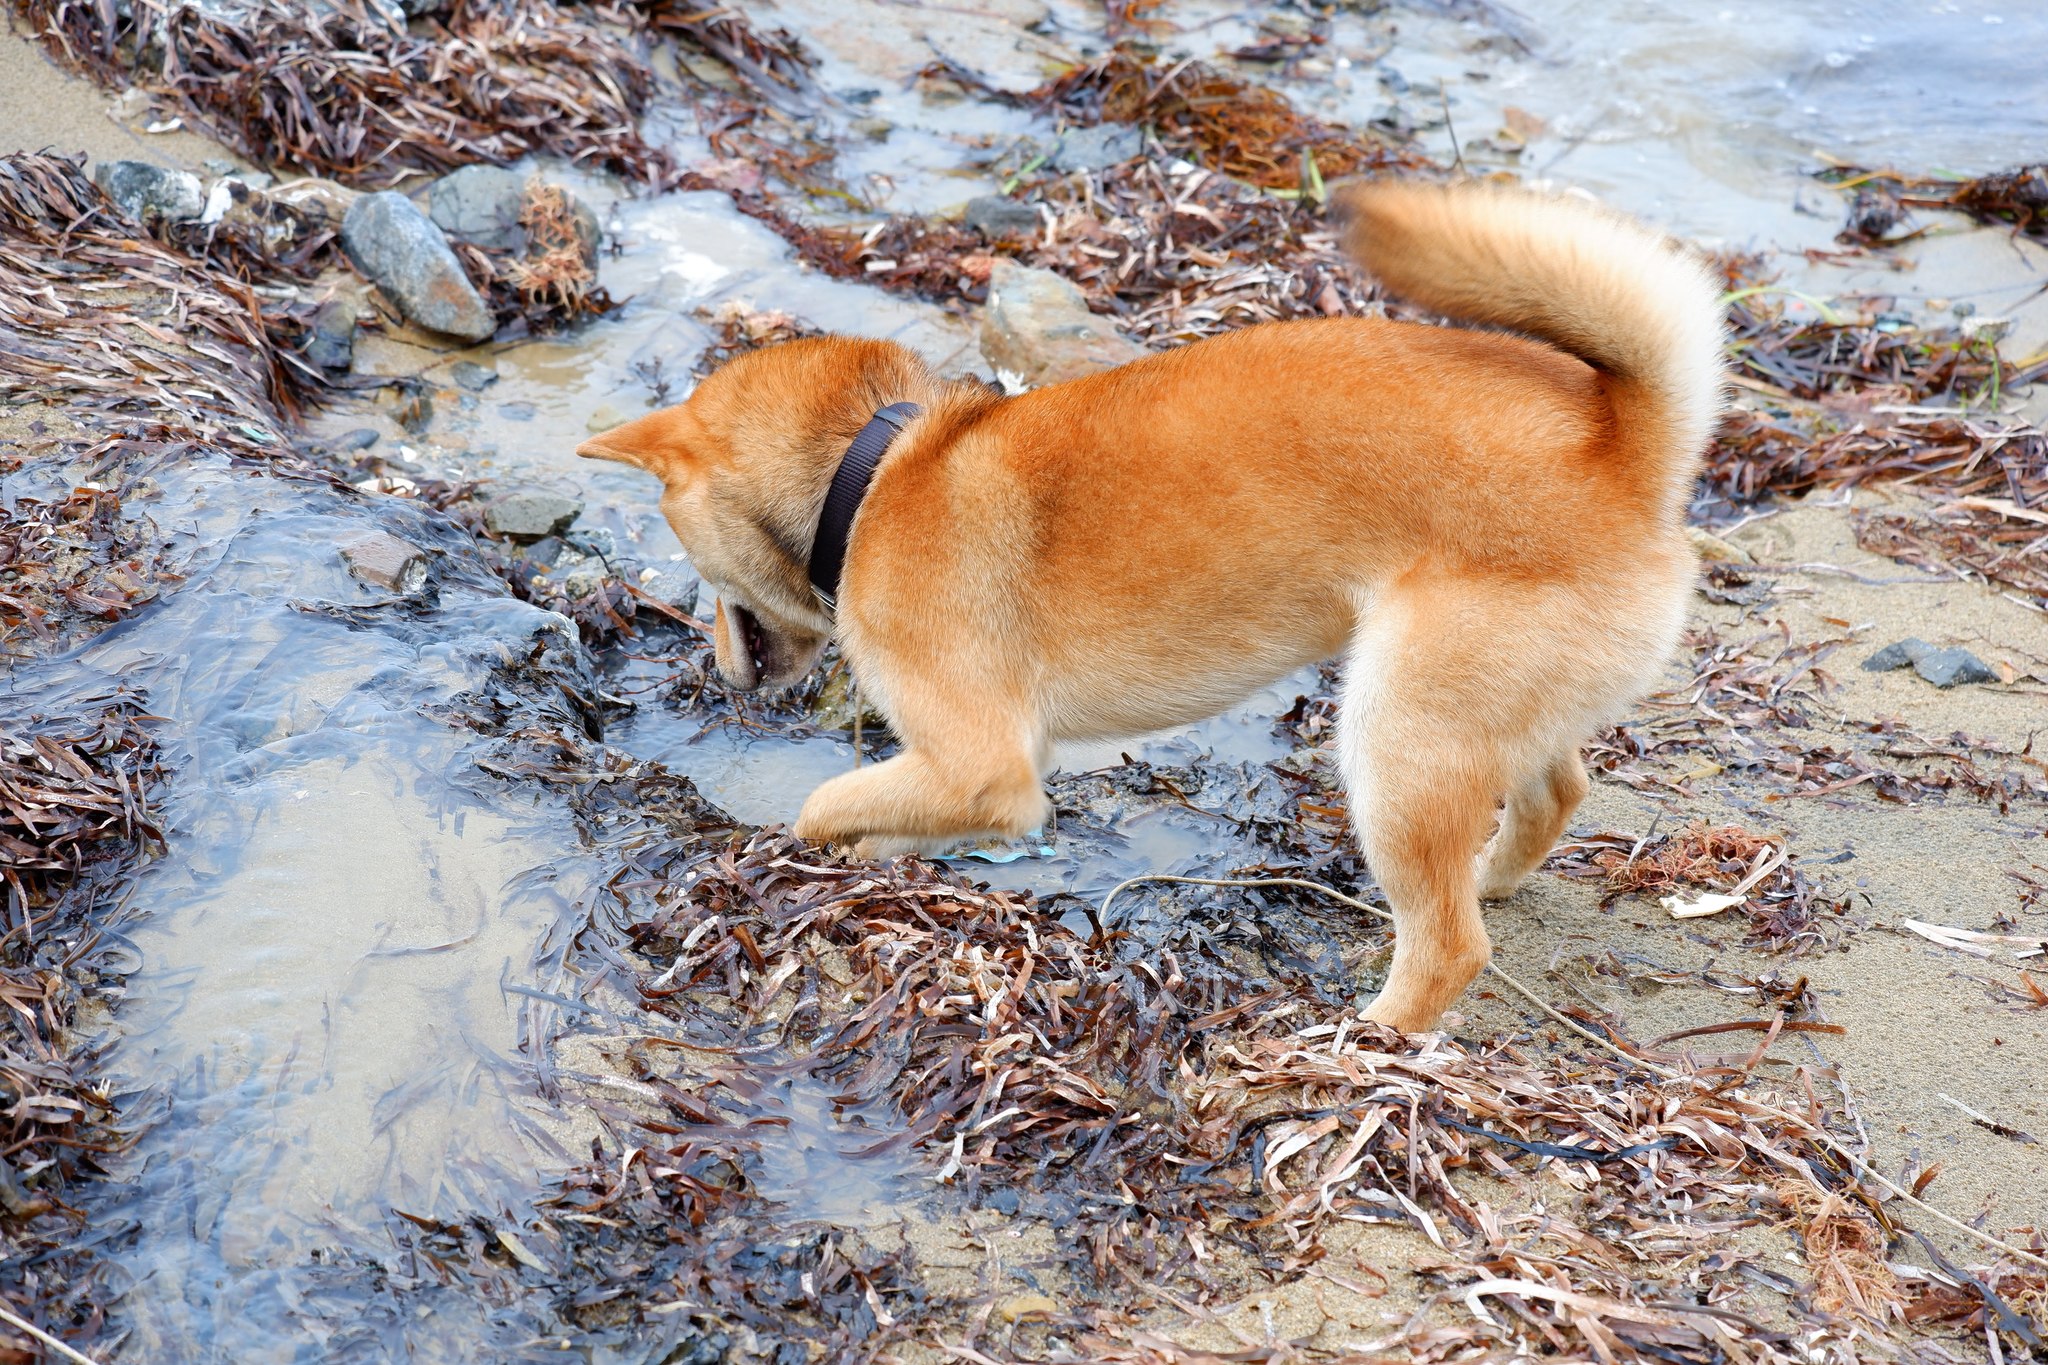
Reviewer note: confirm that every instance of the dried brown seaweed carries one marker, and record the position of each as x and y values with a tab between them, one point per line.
1756	708
1784	908
342	90
1196	1119
75	816
2018	197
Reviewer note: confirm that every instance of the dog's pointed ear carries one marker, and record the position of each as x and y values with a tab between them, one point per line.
659	443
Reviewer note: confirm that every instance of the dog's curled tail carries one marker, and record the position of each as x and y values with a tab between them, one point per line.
1640	309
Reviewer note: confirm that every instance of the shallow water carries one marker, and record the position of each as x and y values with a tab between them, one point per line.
345	954
325	1003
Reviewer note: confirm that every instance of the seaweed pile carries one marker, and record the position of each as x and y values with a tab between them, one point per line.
2018	197
1216	224
76	795
1784	909
346	91
1838	400
1756	708
1196	1121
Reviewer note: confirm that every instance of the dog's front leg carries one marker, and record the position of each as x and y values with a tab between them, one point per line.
920	801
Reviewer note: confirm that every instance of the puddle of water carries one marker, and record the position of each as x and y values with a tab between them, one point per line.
822	1164
318	1001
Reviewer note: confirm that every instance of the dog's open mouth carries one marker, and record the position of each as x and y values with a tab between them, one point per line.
752	638
745	649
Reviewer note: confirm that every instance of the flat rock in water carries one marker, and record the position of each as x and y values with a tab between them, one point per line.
531	516
1037	326
385	561
144	190
675	586
399	249
472	376
1098	148
1942	667
479	204
996	217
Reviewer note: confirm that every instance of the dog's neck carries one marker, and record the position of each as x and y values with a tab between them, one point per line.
843	495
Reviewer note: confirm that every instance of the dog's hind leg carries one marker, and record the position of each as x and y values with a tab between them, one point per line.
1533	817
1420	737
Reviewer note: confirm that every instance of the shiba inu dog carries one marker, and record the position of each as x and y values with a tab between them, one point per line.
1487	524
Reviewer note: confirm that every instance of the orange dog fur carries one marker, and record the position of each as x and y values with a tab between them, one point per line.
1488	526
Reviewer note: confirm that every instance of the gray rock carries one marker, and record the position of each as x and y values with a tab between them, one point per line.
594	541
1942	667
1098	148
1897	655
1950	667
531	515
362	438
401	251
996	217
675	586
1037	326
577	575
332	343
839	702
145	191
385	561
479	204
516	412
472	376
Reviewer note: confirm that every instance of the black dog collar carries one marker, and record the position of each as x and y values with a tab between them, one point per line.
842	500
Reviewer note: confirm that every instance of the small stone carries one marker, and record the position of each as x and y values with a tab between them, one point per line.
1897	655
401	251
531	515
415	412
603	418
146	191
1942	667
1037	326
385	561
472	376
1714	550
479	204
1953	667
543	553
674	586
596	540
1098	148
996	217
582	577
331	343
516	412
837	705
362	438
1874	212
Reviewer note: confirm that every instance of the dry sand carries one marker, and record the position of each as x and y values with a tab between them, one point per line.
45	108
